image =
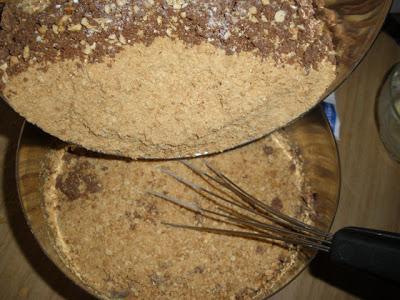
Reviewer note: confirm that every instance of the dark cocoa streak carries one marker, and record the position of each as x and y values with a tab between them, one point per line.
91	30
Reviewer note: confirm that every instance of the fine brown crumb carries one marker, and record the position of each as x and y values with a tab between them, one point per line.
268	150
119	231
260	249
287	31
79	181
277	204
163	79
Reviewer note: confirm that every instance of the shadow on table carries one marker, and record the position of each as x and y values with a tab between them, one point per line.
10	124
359	284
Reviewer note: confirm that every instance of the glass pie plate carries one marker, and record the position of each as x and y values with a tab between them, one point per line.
357	23
311	134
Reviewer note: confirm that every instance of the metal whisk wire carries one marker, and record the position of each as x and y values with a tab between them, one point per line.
285	228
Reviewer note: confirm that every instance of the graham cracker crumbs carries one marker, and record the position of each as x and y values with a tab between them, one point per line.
164	79
233	26
114	240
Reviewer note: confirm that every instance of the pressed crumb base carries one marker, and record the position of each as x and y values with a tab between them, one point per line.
109	231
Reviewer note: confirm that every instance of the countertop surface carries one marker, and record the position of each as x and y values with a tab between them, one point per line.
370	197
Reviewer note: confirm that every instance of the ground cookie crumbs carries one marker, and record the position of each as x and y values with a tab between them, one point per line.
163	79
113	238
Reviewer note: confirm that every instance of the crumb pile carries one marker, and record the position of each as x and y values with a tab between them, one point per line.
163	78
109	231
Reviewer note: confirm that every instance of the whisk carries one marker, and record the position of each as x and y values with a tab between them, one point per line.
373	251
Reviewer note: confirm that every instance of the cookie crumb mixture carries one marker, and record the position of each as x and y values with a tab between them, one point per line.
164	79
288	31
109	231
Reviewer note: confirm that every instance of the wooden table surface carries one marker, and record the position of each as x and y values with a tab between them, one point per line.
370	196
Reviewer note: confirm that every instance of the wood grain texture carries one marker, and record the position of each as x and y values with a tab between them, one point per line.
370	190
369	197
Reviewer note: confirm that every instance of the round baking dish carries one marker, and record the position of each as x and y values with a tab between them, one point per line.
357	25
311	134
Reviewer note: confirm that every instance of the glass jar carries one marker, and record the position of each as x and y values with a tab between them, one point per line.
389	113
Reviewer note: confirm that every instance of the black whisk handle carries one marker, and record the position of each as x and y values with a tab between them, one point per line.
376	252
